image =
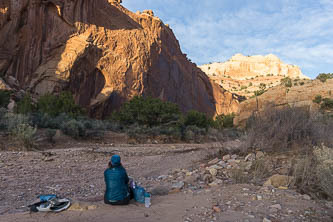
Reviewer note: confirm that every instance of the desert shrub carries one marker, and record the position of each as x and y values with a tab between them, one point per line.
250	84
74	129
194	133
287	82
327	103
25	105
259	169
317	99
324	76
4	98
314	173
287	128
56	104
45	120
224	121
198	119
12	120
238	176
50	133
147	111
25	134
324	169
259	92
301	83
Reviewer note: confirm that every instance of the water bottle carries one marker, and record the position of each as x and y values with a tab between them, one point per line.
147	200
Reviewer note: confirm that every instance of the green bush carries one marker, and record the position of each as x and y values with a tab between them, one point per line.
198	119
25	105
147	111
224	121
324	76
25	134
259	92
287	82
317	99
74	129
4	98
56	104
327	103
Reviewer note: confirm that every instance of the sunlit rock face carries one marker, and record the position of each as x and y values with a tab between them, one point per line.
102	53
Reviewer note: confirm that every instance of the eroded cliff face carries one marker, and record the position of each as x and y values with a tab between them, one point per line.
281	96
242	67
244	75
103	53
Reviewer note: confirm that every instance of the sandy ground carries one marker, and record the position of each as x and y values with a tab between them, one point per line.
77	173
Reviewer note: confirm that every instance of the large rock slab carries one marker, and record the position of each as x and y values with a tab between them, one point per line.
102	53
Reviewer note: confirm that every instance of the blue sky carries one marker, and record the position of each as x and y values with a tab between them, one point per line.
300	32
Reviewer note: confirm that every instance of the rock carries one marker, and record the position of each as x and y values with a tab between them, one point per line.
276	206
279	181
250	157
226	157
149	12
306	197
240	71
79	46
266	220
159	191
213	172
234	156
216	209
259	197
259	155
11	105
3	85
162	177
214	161
191	179
298	96
174	191
178	185
207	178
91	207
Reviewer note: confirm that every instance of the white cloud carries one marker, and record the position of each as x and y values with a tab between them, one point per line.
298	31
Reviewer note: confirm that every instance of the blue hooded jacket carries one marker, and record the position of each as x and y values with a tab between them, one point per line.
116	181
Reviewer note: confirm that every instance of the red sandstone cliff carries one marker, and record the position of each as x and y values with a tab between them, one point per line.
103	53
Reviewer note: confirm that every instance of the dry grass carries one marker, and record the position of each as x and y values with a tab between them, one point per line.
314	173
288	129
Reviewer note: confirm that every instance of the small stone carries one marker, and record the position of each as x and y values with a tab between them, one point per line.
178	185
162	177
214	161
259	197
306	197
266	220
276	206
160	191
92	207
234	156
226	157
213	172
250	157
259	155
217	209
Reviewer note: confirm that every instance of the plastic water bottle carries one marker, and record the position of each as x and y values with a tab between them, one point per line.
147	200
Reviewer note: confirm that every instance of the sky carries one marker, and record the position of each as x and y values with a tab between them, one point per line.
299	32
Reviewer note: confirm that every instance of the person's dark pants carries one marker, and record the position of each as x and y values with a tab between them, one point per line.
121	202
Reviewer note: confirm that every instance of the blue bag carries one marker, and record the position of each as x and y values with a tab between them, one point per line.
139	194
46	197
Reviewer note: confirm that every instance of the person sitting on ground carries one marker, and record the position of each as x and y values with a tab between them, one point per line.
116	180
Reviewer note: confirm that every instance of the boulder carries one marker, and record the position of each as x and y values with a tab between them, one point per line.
278	180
